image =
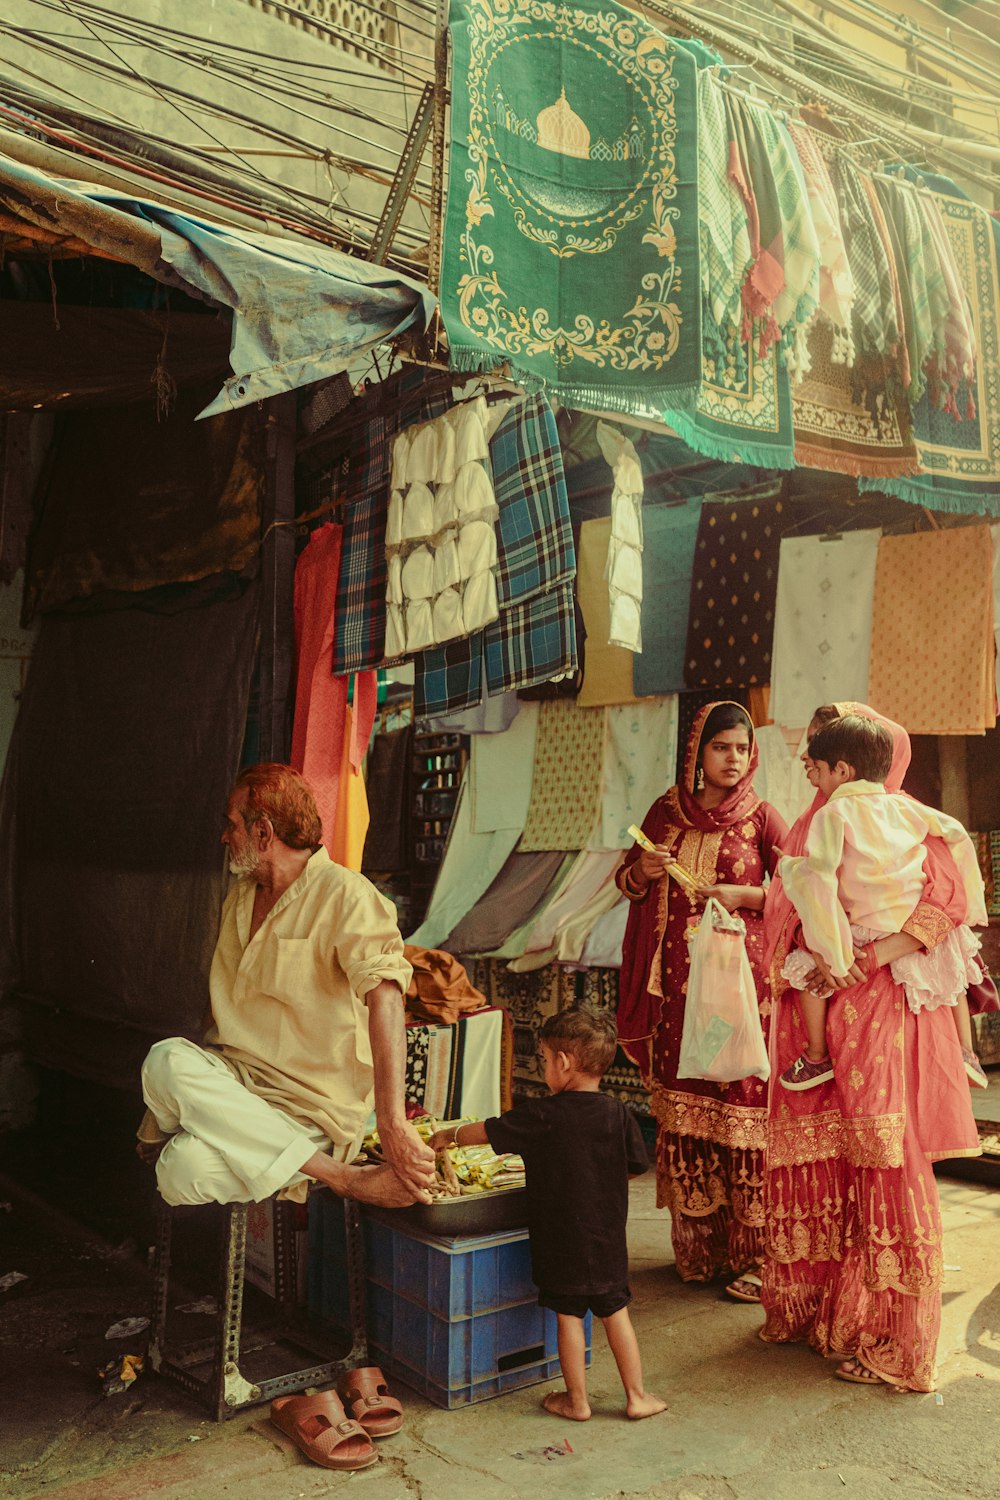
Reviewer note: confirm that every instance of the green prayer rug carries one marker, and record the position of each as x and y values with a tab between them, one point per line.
743	411
961	459
571	232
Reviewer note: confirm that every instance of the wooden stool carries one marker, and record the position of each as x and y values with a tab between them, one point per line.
223	1388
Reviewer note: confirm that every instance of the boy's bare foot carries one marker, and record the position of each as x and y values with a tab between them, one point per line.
644	1405
561	1404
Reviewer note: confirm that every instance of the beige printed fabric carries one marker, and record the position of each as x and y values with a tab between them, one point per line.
566	782
932	650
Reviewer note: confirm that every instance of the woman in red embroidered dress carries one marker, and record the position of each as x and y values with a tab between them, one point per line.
854	1257
710	1137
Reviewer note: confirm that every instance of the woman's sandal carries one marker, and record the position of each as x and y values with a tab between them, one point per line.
860	1374
365	1394
745	1288
321	1430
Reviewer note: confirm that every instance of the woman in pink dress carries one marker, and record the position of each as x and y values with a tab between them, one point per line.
853	1256
710	1137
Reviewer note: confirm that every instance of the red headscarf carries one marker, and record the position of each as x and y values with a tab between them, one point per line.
737	803
640	1004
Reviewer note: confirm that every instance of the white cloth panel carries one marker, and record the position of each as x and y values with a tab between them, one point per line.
472	861
625	548
780	778
822	623
500	769
603	948
589	875
441	532
640	758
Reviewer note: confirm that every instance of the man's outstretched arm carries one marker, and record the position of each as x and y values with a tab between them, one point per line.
406	1153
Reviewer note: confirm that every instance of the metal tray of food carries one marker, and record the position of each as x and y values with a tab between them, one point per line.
451	1218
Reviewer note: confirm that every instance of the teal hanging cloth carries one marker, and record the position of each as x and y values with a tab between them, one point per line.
571	232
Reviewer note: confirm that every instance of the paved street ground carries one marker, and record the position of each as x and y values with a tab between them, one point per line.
746	1421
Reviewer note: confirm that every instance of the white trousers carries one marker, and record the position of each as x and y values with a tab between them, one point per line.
226	1144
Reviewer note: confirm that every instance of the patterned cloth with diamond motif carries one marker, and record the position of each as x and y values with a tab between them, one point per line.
822	623
733	590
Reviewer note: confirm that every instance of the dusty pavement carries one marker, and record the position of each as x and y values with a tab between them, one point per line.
746	1421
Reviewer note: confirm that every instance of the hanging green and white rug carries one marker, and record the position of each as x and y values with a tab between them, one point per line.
571	231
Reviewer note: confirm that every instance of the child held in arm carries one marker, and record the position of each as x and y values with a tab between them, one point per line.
860	878
579	1148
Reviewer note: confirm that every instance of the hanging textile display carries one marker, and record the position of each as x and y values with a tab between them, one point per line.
534	534
499	774
932	631
521	886
780	778
571	233
607	671
625	547
533	638
483	832
329	739
440	539
733	590
388	784
359	634
588	875
640	751
836	280
839	433
743	410
566	781
669	535
822	623
960	459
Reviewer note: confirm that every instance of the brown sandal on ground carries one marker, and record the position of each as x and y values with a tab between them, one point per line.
745	1288
321	1430
860	1374
365	1394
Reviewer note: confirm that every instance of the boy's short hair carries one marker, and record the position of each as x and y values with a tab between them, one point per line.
859	742
589	1036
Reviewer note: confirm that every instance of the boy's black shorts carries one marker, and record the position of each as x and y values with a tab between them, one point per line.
601	1304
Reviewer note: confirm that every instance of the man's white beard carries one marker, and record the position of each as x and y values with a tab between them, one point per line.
245	864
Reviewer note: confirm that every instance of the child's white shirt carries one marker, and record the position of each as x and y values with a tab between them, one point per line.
864	865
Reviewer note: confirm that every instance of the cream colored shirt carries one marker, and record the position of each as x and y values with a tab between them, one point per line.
288	1008
864	864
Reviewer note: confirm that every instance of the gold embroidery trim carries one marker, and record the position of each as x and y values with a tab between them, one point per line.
734	1125
928	925
874	1141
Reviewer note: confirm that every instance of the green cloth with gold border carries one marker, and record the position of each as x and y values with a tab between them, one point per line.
571	232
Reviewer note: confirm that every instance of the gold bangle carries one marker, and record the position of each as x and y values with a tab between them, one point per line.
630	883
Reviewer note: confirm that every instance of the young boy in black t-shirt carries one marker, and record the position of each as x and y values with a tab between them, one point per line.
579	1147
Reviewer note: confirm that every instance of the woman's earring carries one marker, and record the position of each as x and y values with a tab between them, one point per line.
700	779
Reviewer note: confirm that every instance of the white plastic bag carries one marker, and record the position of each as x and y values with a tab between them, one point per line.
722	1040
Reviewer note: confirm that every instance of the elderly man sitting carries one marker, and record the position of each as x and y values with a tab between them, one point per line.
306	1026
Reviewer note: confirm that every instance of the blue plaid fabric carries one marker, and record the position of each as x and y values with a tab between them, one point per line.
448	678
359	631
532	642
534	535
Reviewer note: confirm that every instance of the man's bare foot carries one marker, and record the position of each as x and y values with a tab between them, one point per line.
644	1405
561	1404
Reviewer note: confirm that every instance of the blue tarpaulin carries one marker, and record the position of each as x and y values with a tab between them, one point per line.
302	311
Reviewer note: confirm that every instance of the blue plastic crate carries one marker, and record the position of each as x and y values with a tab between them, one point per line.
458	1278
456	1319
